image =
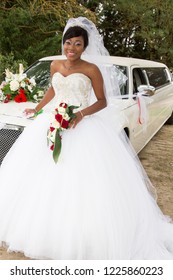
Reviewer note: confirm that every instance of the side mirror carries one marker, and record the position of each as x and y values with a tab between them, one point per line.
147	89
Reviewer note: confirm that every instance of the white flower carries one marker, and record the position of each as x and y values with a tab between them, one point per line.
55	124
14	85
66	117
40	93
32	81
30	88
2	97
51	135
21	69
9	75
22	84
35	96
20	77
61	110
2	84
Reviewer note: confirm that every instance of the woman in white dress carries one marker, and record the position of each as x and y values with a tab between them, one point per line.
94	203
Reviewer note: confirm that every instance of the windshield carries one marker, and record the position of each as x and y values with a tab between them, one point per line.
41	71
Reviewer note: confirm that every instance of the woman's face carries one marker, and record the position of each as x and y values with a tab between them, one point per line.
74	47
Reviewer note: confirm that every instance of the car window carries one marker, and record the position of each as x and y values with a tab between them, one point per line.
157	77
124	85
41	71
139	78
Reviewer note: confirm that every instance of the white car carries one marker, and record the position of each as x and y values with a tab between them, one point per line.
147	91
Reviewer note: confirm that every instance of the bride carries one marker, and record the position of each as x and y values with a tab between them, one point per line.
96	201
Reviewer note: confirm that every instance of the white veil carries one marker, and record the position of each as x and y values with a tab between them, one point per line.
95	51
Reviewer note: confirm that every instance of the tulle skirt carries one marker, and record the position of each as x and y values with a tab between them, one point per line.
93	204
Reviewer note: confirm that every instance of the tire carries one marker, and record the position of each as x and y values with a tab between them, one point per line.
170	120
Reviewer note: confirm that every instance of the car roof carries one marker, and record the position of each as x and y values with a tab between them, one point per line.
117	60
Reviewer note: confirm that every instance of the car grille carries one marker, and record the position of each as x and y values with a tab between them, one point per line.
7	138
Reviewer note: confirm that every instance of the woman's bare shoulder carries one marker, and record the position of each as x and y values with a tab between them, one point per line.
56	65
92	69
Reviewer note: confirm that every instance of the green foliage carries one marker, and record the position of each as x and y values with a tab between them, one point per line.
9	62
140	28
31	29
29	36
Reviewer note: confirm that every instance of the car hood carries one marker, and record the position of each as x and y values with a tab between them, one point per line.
12	113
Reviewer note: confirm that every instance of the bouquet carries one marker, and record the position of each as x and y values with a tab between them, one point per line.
19	87
60	119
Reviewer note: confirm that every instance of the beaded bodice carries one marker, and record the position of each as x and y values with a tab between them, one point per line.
74	89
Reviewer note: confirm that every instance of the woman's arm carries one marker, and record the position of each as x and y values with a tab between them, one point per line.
98	87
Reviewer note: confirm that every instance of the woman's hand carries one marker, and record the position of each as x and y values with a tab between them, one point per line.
79	116
28	111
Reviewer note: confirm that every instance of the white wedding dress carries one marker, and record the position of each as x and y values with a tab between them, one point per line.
93	204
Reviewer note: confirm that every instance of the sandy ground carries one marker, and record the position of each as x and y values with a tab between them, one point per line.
157	159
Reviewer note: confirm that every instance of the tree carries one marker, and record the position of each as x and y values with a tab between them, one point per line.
33	28
140	28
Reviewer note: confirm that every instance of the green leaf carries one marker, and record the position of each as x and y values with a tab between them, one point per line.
72	107
57	146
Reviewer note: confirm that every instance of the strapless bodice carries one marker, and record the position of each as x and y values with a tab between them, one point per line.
74	89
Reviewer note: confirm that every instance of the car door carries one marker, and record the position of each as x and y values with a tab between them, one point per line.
161	106
140	133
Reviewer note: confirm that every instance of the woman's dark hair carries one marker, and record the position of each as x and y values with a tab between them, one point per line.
76	31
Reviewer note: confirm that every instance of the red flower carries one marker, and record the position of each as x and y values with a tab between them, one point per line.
8	96
21	91
6	100
58	117
64	124
52	128
64	105
20	98
52	147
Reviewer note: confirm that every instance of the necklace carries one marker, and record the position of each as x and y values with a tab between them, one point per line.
71	66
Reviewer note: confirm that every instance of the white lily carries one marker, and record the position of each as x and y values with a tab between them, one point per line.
21	68
9	75
30	88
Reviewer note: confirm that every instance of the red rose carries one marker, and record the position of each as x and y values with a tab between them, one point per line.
64	124
21	91
20	98
52	128
58	117
52	147
64	105
8	96
6	100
